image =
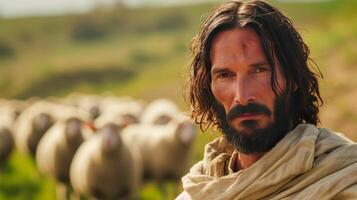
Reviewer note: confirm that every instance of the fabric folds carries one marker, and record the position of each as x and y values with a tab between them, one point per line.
308	163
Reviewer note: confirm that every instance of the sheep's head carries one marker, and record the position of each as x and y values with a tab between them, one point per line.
73	131
186	130
42	122
111	140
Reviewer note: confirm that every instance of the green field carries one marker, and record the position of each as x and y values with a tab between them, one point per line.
143	53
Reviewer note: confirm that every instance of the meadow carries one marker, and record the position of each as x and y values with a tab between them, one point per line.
143	53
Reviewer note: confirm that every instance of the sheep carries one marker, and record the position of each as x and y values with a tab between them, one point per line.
88	103
7	117
160	111
163	148
116	116
96	106
29	128
104	167
6	144
32	124
124	106
17	106
56	150
121	111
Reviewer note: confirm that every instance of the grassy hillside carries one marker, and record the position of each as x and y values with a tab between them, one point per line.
143	53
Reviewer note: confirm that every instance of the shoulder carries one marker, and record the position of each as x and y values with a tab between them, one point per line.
217	147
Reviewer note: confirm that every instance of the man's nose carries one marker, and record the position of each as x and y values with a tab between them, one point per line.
243	92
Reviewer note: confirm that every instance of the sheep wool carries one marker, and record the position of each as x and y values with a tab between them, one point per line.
170	145
6	144
7	119
105	168
88	103
159	112
57	148
124	106
117	118
32	124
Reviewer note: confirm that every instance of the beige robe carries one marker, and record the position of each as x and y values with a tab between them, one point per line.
308	163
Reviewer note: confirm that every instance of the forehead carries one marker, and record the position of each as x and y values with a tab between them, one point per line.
241	44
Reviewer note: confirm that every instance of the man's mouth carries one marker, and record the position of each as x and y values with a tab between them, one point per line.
247	120
246	117
252	111
249	116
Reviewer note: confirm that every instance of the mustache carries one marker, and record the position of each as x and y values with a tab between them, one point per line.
239	110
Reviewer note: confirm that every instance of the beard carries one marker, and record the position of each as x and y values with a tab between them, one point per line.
252	138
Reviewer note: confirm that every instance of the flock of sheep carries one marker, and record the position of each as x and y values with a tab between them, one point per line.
98	147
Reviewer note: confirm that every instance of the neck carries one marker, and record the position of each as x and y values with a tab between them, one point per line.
246	160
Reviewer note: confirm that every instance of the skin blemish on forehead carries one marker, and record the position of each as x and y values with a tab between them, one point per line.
244	42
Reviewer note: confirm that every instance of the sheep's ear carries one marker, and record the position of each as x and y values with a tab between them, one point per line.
186	132
73	130
91	125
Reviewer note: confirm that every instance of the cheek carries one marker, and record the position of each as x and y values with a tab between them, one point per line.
223	94
261	89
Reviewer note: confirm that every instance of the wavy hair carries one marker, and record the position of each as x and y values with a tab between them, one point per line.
280	41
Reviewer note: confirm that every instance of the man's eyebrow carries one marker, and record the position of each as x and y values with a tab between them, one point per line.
216	70
258	64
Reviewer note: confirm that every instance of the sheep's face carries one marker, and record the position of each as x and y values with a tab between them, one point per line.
73	131
186	132
94	112
42	122
111	140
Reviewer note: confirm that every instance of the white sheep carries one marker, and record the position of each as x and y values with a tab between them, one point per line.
17	106
104	167
88	103
33	122
116	116
7	118
6	144
160	111
121	111
57	147
125	106
8	115
164	148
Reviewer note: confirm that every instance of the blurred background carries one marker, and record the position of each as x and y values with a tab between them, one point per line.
139	48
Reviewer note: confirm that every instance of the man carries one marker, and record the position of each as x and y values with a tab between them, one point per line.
251	79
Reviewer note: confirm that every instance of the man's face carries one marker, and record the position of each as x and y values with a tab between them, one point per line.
241	84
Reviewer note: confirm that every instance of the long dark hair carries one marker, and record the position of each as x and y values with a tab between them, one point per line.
279	40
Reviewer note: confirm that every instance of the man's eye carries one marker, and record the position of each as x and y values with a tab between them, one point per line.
260	69
224	75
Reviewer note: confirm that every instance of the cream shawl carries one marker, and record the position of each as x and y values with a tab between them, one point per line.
308	163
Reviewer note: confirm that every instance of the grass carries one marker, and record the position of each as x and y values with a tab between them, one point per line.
142	54
20	180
